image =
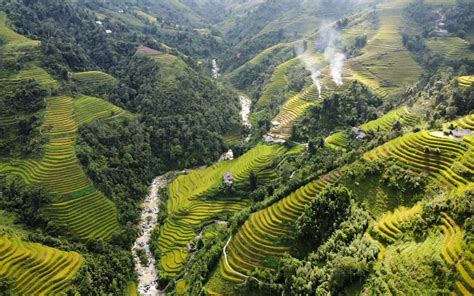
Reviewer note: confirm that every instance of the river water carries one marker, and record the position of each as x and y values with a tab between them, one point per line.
245	103
215	69
147	275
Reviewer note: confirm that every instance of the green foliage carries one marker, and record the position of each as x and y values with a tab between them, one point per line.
186	115
343	259
142	257
119	158
25	200
5	287
350	108
383	185
20	118
202	264
107	271
403	180
323	215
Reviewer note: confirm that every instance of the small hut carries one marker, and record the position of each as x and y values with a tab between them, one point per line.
228	179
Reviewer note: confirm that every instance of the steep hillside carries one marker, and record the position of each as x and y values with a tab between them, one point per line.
236	147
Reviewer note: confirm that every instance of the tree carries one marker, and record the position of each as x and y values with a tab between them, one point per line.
324	214
253	180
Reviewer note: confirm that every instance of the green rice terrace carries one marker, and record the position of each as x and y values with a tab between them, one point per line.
339	140
450	47
444	243
292	109
238	147
14	42
466	122
188	208
429	153
37	269
79	206
93	79
260	238
277	83
385	64
466	81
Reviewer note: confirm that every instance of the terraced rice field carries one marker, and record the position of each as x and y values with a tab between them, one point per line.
466	122
278	83
426	153
59	117
359	25
32	73
141	14
337	141
260	238
35	269
188	208
158	56
15	46
466	81
405	267
386	122
292	110
90	215
388	229
280	47
371	83
453	253
386	65
88	109
79	207
93	79
262	55
59	170
14	41
450	48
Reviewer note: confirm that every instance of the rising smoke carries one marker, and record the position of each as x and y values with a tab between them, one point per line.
336	62
311	64
328	42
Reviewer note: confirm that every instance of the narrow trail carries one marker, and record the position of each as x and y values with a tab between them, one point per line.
147	275
232	269
227	262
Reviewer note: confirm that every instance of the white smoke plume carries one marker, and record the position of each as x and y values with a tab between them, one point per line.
329	41
311	64
315	78
336	62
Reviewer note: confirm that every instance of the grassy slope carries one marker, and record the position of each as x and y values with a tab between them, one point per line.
15	42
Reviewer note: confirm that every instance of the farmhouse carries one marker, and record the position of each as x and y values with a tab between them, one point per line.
228	179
